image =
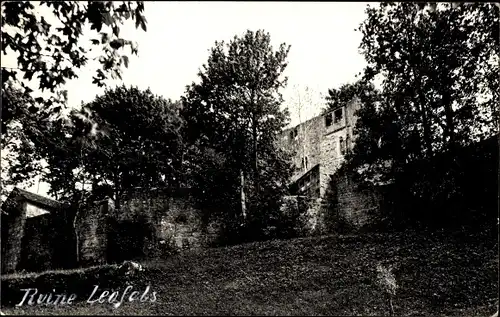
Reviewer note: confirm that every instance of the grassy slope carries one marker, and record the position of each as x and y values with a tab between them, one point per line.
438	275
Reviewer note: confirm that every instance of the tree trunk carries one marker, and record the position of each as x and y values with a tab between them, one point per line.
450	124
117	201
242	195
498	171
75	224
304	169
425	120
78	206
116	191
448	110
77	236
420	100
255	152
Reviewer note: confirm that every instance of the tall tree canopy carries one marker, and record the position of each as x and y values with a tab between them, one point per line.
47	40
235	109
123	139
18	125
46	37
439	67
337	97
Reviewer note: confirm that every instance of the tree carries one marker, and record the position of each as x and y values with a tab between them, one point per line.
46	37
344	94
125	138
18	125
301	101
236	111
206	170
51	48
439	65
438	68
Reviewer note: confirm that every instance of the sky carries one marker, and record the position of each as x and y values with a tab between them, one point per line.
324	48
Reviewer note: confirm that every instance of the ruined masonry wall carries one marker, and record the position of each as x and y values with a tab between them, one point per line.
92	225
359	206
305	144
15	224
176	218
322	146
175	222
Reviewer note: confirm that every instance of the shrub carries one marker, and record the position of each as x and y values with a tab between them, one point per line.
387	283
292	219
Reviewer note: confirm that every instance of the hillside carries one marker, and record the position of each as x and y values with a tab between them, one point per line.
438	274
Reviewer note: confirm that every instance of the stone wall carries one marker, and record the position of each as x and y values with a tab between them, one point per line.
304	141
35	243
92	224
331	158
358	205
315	216
453	190
38	244
320	140
148	223
336	142
175	215
12	234
320	143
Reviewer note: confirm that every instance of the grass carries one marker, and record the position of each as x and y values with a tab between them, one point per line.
60	272
437	274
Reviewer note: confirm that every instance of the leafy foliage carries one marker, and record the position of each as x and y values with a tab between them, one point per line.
293	219
345	94
123	139
19	124
207	170
47	39
52	50
439	67
235	110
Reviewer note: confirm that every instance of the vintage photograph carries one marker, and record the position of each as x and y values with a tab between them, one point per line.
250	158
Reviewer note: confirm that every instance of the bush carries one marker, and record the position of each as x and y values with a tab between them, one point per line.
292	220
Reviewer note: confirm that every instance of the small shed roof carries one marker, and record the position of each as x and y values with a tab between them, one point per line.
36	199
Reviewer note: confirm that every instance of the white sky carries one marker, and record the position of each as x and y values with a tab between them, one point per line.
324	47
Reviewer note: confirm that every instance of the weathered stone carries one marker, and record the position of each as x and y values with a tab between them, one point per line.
319	146
12	233
92	227
174	219
35	233
358	206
